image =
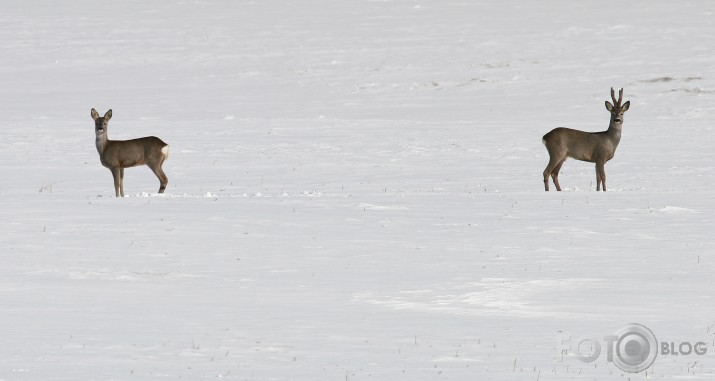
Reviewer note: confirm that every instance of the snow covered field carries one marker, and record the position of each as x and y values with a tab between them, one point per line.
355	189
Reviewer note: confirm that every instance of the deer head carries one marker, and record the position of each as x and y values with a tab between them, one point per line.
100	122
616	109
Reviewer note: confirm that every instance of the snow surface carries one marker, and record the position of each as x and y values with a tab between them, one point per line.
355	189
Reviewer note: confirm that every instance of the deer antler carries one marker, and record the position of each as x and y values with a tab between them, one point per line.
613	97
620	97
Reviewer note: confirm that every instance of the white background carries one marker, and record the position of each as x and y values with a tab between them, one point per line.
355	189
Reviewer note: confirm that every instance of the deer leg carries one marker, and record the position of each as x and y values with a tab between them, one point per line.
600	176
555	174
117	180
163	180
121	181
546	181
553	162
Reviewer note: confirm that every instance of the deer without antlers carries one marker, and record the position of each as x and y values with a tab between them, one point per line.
119	154
594	147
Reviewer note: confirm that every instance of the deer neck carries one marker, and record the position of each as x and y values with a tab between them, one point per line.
614	131
101	141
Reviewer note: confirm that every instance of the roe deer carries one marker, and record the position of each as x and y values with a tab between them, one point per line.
119	154
594	147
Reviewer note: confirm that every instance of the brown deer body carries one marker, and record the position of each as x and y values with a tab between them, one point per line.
594	147
119	154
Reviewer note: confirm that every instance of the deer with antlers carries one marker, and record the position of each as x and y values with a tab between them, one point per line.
593	147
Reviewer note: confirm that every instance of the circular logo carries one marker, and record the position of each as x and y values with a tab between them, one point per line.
635	349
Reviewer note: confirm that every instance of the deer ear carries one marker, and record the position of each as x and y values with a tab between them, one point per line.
95	115
108	115
609	106
626	106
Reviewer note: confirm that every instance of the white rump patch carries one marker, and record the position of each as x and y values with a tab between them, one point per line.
165	151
